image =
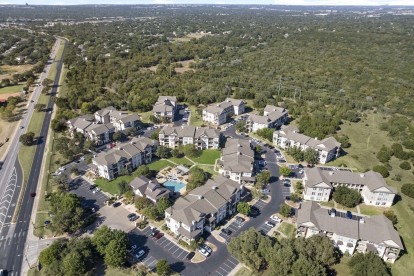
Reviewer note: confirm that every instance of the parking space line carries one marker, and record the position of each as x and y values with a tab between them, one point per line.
235	263
180	254
167	244
228	266
176	250
225	269
170	247
219	273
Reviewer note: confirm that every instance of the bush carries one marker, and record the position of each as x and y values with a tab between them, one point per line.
405	166
243	208
391	216
347	197
382	170
266	133
408	190
285	210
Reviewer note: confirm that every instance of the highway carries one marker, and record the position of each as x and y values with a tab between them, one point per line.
13	235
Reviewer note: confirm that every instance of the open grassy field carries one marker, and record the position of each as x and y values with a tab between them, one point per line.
342	268
207	156
181	161
366	139
195	118
53	68
112	186
10	70
12	89
288	229
244	272
159	165
145	116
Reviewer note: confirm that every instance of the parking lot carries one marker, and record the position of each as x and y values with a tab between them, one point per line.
227	266
92	198
233	227
264	228
167	245
286	189
149	261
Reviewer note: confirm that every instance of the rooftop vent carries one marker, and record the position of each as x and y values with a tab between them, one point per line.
214	188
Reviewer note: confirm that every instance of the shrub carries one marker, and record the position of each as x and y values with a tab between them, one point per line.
285	210
408	190
382	170
391	216
405	166
347	197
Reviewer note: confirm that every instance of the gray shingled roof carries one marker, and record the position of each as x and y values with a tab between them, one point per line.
218	108
203	200
377	229
371	179
292	133
190	131
274	113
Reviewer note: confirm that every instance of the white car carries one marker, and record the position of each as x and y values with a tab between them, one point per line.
139	254
62	169
270	224
275	218
203	252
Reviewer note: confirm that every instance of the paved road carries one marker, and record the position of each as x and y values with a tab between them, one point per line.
12	250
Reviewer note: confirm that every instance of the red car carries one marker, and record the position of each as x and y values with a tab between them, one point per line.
158	236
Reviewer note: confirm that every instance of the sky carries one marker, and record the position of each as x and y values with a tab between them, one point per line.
263	2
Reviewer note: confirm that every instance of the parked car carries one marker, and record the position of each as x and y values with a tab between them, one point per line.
158	236
254	211
154	232
203	251
270	224
349	214
190	255
32	194
263	232
62	169
132	217
226	231
275	218
92	187
139	254
207	248
265	191
116	204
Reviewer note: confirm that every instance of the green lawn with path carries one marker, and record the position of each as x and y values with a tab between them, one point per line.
288	229
159	165
181	161
112	186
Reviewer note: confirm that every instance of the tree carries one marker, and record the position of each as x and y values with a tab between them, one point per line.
162	205
123	187
266	133
296	153
53	252
68	212
311	156
384	154
382	170
142	202
262	179
155	135
143	170
196	178
163	152
47	82
61	181
368	264
190	150
299	187
391	216
27	139
285	210
117	136
150	212
241	126
346	196
405	166
177	153
74	264
305	266
408	190
116	251
285	171
153	119
243	208
163	268
39	107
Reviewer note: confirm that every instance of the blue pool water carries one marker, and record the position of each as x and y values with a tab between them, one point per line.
174	186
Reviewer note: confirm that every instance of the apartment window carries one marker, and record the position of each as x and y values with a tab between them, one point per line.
313	193
383	203
320	189
377	203
319	194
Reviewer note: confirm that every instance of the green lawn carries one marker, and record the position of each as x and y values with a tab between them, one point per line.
112	186
207	168
53	69
159	165
195	118
288	229
181	161
370	210
12	89
342	268
207	156
145	116
63	86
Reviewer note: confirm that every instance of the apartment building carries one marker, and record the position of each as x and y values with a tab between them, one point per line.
165	108
151	189
203	208
219	113
273	117
201	137
237	161
125	157
350	235
103	124
320	183
289	137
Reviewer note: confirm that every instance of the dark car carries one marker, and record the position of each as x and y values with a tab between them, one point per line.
349	214
190	255
158	236
254	211
332	212
154	232
132	217
263	232
32	194
92	187
116	204
226	231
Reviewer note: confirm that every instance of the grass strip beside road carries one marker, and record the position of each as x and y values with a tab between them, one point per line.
12	89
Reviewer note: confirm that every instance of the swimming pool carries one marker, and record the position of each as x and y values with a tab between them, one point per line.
174	186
